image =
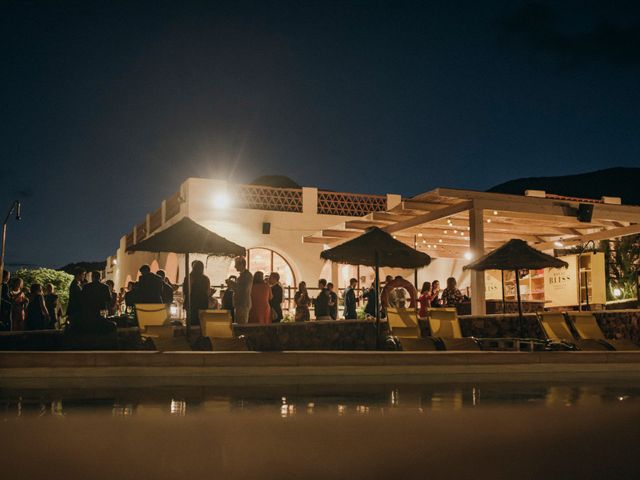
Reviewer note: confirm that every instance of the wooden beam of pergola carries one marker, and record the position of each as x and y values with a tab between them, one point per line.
429	217
597	236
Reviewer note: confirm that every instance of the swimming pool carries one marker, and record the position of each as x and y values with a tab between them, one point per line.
485	429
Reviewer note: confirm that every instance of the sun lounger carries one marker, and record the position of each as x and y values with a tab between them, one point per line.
153	319
556	329
444	325
587	328
216	326
403	324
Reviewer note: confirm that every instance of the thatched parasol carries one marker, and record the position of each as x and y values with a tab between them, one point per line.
187	236
376	248
516	255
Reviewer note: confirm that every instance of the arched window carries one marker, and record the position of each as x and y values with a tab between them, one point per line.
268	261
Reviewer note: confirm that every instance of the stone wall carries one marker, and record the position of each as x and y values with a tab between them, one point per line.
495	326
320	335
619	323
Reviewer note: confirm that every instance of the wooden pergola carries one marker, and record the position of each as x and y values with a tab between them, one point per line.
453	223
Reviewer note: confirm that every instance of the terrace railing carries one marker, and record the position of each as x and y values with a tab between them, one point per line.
257	197
350	204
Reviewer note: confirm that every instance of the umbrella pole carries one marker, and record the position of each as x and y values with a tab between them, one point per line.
519	302
377	287
188	300
504	305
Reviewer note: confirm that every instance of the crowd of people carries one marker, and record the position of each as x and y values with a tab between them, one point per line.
250	298
35	308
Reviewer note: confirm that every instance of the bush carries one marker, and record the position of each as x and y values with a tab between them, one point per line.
60	280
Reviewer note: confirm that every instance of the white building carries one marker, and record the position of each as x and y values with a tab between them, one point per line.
285	229
276	225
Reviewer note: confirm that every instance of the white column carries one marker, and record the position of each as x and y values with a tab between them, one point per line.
476	225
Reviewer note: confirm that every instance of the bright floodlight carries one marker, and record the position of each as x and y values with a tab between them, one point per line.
468	255
617	292
221	200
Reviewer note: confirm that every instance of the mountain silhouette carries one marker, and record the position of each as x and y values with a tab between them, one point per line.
623	182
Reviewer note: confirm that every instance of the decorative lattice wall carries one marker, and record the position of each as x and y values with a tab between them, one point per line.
141	231
350	204
268	198
155	220
172	206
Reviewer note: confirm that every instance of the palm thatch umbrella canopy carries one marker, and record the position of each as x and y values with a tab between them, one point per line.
187	236
376	248
516	255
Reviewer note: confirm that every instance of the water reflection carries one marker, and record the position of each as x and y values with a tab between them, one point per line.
307	400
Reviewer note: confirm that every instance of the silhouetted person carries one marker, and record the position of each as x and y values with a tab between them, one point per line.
349	296
370	297
321	302
242	294
113	303
167	288
19	303
277	296
37	314
54	307
74	307
333	302
95	299
227	302
149	287
5	302
130	295
199	298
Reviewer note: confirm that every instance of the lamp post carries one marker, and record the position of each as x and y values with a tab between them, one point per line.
15	207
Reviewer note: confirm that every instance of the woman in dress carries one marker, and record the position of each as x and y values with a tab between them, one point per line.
260	295
435	294
37	314
302	301
19	304
424	299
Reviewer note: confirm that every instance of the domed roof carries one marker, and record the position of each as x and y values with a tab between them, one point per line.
278	181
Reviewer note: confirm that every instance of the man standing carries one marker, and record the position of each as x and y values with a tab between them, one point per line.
277	295
321	302
74	305
167	288
350	300
242	294
5	306
94	299
150	286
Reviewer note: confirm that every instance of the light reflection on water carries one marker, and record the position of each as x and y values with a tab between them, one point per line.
294	401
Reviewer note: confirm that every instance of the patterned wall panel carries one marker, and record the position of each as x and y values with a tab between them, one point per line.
350	204
258	197
155	220
173	206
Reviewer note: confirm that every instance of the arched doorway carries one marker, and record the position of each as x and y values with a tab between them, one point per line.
268	261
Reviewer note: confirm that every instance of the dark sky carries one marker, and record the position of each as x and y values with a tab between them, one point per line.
108	106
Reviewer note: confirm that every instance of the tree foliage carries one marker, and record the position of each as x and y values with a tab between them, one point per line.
623	255
60	280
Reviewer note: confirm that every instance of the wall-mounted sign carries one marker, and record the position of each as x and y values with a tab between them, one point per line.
493	284
561	284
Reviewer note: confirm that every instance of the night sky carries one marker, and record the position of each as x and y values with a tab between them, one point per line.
108	106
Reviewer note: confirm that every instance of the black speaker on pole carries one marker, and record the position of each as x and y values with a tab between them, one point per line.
266	228
585	212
